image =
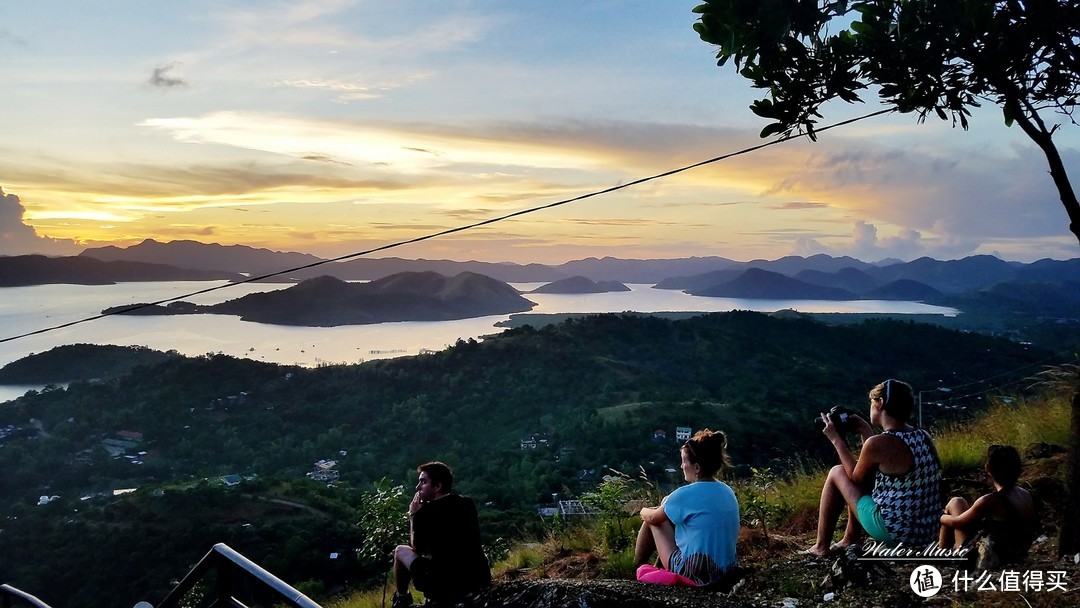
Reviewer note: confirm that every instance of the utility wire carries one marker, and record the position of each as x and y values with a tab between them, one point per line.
1007	373
977	393
448	231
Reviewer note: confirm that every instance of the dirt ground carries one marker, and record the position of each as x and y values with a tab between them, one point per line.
777	575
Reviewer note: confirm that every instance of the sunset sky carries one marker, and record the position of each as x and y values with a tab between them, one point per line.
334	126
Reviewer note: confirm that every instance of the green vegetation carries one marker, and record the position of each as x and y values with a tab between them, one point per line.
80	362
962	447
1043	418
775	573
927	58
593	388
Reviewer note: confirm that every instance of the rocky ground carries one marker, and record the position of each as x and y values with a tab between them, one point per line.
794	580
779	576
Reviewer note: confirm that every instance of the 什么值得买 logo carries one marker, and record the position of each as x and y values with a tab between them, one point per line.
925	581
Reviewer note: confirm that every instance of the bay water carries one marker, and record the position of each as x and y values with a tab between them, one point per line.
29	309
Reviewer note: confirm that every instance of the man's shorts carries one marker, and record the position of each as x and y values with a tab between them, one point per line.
422	573
869	515
436	585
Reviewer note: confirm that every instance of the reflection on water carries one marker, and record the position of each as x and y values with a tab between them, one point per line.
26	309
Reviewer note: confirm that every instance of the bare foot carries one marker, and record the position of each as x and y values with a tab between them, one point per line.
817	551
843	545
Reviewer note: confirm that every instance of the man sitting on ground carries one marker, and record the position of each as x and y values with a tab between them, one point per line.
444	558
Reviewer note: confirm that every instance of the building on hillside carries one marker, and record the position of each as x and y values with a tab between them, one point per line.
531	442
324	471
568	508
121	442
683	433
231	480
659	435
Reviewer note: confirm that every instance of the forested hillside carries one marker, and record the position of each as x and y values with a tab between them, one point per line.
592	392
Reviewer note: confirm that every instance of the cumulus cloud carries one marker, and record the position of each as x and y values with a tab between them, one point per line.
160	77
865	244
957	194
19	238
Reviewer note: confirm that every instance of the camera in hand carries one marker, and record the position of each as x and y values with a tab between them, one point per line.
842	418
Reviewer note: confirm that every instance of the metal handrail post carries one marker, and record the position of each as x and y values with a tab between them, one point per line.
252	569
229	565
7	593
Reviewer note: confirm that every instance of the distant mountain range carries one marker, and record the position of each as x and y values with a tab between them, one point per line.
924	279
328	301
204	256
793	277
24	270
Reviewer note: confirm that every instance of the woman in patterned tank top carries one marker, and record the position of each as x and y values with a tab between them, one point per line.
892	488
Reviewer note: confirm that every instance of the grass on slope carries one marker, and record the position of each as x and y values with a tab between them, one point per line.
787	505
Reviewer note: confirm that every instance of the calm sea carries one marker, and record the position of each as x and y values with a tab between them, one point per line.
27	309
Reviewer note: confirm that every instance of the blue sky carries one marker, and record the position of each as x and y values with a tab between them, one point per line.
332	126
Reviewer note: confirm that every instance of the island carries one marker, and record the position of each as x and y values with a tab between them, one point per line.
759	284
329	302
579	284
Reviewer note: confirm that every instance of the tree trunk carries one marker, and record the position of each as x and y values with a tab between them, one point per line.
1069	540
1028	118
1033	127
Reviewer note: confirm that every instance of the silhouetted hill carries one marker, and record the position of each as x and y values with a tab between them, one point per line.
23	270
580	285
642	271
903	289
79	362
1050	270
762	284
204	256
793	264
700	281
1057	299
950	276
849	278
327	301
371	269
604	269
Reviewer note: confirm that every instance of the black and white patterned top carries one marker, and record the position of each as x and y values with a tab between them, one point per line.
910	504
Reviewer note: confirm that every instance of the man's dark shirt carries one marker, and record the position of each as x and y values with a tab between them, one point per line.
447	532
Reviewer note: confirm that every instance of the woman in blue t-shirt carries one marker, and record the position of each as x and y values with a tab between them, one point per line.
694	529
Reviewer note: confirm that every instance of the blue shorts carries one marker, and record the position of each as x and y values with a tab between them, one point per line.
869	516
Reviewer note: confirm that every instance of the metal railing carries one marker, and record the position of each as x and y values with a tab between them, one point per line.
233	571
11	597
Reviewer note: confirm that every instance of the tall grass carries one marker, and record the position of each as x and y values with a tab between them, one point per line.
372	598
962	447
521	557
